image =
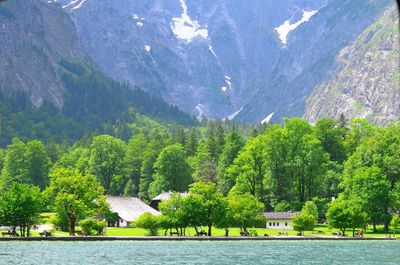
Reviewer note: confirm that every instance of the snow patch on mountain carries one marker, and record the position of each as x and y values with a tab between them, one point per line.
185	28
268	119
284	29
200	109
139	20
228	86
233	115
212	51
75	4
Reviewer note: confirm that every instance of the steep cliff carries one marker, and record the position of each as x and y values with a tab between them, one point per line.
49	87
35	37
367	80
222	58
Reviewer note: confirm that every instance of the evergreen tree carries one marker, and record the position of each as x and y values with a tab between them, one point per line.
234	143
133	162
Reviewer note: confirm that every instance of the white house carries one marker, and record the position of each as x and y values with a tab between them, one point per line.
280	220
128	209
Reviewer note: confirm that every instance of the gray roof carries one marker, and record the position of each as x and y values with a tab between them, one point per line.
129	208
280	215
166	195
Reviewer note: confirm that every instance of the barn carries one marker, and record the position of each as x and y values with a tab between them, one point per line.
128	209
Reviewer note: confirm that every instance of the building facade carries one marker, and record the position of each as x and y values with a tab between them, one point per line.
280	220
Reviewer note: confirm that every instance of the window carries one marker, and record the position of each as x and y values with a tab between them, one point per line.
273	224
285	223
277	224
270	224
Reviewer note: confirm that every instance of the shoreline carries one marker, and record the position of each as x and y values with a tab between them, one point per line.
204	238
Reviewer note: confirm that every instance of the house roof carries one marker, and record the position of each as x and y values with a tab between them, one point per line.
166	195
280	215
129	208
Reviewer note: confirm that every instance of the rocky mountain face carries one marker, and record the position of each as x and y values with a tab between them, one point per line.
51	88
246	60
34	37
367	81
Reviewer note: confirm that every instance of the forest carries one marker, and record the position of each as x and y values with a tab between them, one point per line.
350	170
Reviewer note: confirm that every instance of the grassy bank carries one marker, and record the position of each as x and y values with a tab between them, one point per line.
235	232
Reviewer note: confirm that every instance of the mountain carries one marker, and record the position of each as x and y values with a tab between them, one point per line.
50	87
367	82
244	60
35	37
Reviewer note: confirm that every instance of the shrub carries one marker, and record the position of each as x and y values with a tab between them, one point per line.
92	227
60	222
303	221
149	222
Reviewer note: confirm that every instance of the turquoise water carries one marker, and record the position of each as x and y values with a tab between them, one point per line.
192	252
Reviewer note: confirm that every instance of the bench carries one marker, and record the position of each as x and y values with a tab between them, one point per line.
202	233
173	233
45	234
8	233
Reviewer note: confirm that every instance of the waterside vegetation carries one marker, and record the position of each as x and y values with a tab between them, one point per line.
342	173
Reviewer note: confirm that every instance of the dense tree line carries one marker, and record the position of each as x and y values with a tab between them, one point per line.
91	102
283	167
205	206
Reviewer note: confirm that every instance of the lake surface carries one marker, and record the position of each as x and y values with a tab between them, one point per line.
199	252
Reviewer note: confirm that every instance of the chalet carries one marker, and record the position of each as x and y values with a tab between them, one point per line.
128	209
163	197
280	220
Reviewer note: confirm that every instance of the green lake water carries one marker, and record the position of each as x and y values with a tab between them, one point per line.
201	252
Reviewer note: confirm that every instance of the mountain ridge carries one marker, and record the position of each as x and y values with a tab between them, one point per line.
232	59
50	87
367	84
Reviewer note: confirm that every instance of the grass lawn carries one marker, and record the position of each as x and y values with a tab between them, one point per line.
236	232
46	219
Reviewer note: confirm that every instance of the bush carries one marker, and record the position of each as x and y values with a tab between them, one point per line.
60	222
311	209
149	222
92	227
303	221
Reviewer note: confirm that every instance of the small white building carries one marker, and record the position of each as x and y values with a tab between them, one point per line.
280	220
128	209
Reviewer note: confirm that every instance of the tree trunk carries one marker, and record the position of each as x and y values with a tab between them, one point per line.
197	231
226	232
344	232
209	229
386	226
72	221
374	225
354	230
